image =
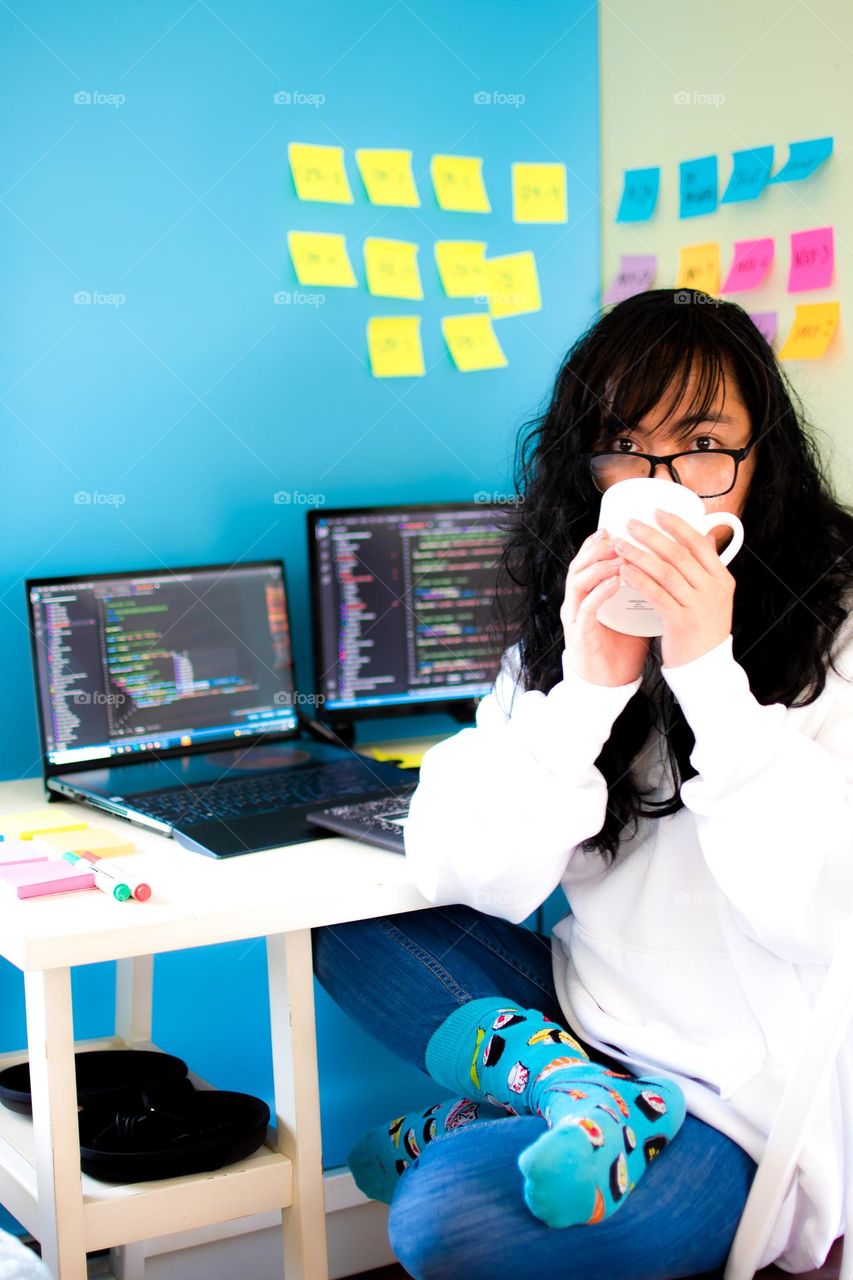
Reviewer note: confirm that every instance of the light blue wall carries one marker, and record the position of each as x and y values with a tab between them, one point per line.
198	398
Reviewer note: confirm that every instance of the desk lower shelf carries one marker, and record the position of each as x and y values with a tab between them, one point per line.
120	1213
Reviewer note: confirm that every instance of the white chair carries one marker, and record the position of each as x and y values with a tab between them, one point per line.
823	1038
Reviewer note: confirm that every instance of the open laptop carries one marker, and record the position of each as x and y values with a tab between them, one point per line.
168	697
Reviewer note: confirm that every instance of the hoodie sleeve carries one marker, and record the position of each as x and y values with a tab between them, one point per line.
773	801
501	808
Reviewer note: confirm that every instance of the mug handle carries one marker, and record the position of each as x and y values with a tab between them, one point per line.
714	518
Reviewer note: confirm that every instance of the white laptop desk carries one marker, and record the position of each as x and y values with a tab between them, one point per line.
280	895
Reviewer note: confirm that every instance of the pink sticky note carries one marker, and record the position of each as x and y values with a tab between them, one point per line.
767	324
15	851
751	264
36	879
812	259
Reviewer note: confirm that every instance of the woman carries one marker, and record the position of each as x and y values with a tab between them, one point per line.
692	795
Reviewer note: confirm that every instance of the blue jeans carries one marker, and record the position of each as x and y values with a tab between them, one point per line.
458	1211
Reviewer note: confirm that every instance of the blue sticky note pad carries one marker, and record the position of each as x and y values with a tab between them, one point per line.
698	186
803	159
639	195
750	174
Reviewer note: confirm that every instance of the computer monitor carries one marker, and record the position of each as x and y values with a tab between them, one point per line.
403	605
159	662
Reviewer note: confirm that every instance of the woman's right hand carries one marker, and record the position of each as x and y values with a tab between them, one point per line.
595	652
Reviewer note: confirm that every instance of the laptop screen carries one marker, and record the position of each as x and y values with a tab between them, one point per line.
128	664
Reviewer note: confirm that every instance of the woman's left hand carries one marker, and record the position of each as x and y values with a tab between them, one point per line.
685	581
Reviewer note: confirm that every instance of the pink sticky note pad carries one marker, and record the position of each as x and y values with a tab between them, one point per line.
812	259
14	851
751	264
37	879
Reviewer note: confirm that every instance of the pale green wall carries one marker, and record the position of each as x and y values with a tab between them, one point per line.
784	72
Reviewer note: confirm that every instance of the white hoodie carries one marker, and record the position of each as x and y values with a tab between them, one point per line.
699	952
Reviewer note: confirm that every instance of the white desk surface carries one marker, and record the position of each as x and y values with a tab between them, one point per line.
196	900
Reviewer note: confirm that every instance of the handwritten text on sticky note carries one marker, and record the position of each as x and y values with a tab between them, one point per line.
812	259
539	193
812	330
391	267
635	275
639	195
319	173
320	258
394	345
387	177
472	343
698	186
699	267
513	285
750	266
458	183
462	267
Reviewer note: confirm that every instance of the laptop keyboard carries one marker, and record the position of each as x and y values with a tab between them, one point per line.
261	793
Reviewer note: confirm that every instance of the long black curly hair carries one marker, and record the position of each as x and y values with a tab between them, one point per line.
793	576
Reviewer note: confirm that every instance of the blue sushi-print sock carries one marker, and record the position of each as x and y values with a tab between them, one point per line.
382	1155
604	1127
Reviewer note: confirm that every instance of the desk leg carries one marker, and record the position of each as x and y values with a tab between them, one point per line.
297	1101
50	1038
134	996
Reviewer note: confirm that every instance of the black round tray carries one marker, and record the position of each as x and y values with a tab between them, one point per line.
196	1131
108	1076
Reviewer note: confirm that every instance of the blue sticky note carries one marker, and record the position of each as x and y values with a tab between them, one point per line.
698	186
639	195
750	174
803	159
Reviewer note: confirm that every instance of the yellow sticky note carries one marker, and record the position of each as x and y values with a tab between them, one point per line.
539	193
319	173
394	344
34	822
812	330
387	177
462	267
320	258
513	285
392	268
458	183
699	267
97	840
473	342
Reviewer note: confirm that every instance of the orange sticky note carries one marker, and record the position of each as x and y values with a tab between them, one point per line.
699	267
812	330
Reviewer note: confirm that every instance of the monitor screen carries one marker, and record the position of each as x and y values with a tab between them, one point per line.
404	605
161	660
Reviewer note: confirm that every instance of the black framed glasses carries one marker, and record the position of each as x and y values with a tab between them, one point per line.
710	473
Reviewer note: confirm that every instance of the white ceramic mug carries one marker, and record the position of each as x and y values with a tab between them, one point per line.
638	499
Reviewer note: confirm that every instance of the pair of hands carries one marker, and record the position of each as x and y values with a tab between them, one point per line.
681	576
